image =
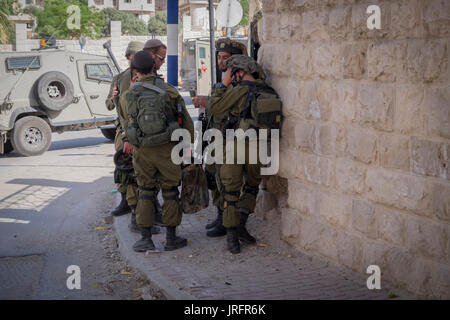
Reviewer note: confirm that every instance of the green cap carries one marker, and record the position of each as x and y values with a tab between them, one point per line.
134	46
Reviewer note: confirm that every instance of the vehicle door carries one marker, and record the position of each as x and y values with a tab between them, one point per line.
203	66
95	78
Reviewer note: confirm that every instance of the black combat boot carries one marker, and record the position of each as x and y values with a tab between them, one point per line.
242	232
215	222
233	241
146	242
218	230
122	208
173	242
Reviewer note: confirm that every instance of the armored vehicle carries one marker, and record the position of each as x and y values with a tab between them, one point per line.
52	90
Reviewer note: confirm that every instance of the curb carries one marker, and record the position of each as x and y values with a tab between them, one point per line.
142	263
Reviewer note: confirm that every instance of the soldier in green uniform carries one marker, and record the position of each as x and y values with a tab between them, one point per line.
225	48
241	181
155	110
126	184
127	180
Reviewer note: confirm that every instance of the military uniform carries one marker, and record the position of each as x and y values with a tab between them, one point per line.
153	166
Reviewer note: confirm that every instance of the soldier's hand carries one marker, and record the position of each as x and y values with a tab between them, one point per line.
227	79
128	148
200	101
115	92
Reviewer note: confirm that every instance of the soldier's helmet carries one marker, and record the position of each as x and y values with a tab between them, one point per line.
246	63
231	46
133	47
123	161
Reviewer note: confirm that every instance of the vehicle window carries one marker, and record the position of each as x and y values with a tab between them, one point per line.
202	53
32	62
99	71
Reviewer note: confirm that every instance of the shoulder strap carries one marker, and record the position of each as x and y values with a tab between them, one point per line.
150	87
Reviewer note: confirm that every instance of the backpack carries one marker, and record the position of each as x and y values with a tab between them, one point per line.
262	108
153	118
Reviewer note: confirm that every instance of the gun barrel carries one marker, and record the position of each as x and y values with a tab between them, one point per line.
107	46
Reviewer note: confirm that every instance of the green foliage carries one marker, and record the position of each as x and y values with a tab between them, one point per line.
245	22
131	25
52	20
7	8
157	25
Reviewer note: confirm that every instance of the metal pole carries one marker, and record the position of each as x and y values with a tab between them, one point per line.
212	42
172	42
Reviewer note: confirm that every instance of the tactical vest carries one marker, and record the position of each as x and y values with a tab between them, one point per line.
262	109
152	115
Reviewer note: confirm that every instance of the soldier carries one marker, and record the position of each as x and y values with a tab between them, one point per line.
158	52
120	83
151	98
230	104
225	48
127	180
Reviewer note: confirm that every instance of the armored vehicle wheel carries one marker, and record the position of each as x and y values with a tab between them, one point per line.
31	136
54	91
109	133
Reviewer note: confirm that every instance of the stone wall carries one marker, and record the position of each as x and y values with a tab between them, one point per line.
365	150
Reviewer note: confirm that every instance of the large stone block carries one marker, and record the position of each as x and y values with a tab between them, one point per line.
288	91
441	200
271	29
406	19
304	135
343	109
376	106
303	199
426	60
301	58
310	235
327	244
325	140
391	226
349	250
439	283
436	18
385	60
340	26
430	158
350	176
409	112
315	25
427	238
268	5
361	145
326	59
373	253
335	210
290	225
290	164
319	170
315	99
437	110
287	130
364	218
402	191
354	61
394	151
359	21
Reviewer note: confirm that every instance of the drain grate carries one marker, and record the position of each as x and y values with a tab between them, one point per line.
19	276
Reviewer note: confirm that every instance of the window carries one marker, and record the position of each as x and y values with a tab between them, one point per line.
202	52
32	62
99	71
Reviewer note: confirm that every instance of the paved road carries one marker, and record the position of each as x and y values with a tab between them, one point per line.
50	206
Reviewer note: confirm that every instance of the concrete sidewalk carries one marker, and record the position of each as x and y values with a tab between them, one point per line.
269	270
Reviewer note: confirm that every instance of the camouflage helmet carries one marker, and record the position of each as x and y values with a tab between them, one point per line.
231	46
133	47
123	162
247	64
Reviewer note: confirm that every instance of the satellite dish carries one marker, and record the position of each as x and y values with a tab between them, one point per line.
229	13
